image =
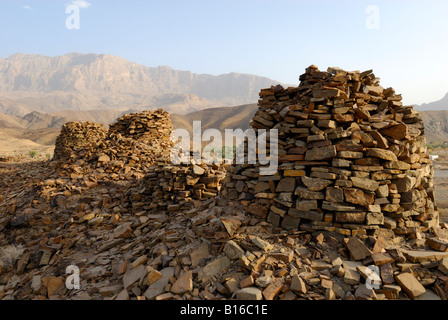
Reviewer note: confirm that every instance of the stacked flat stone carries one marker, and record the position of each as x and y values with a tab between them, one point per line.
127	150
352	159
144	126
171	188
76	136
113	159
151	127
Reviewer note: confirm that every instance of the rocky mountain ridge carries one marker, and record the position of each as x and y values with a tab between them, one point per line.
80	82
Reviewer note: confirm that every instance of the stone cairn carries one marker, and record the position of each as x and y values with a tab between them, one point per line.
138	147
352	159
146	125
76	136
151	127
127	150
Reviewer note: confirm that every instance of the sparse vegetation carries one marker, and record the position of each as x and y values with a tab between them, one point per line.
33	154
215	152
225	150
432	146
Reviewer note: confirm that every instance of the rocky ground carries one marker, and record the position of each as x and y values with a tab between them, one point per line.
50	220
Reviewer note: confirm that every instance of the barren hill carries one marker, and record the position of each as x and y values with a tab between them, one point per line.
217	118
436	126
9	121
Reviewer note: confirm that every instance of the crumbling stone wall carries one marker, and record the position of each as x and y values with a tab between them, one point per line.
352	159
176	187
76	136
152	128
138	147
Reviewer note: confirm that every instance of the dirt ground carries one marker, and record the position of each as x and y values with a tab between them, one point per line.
12	147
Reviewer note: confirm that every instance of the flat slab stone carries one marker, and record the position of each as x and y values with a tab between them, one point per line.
410	285
250	293
382	154
351	274
158	287
365	184
214	268
316	184
358	250
318	154
422	256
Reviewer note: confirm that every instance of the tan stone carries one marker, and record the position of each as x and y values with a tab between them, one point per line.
198	254
53	284
214	268
410	285
273	289
298	285
249	294
358	250
183	284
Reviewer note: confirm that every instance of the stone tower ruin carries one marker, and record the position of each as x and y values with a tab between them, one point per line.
352	159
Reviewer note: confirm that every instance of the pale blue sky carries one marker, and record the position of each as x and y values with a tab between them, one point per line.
277	39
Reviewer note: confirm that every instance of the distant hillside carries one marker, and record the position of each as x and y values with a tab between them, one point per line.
436	126
435	106
217	118
79	82
12	145
9	121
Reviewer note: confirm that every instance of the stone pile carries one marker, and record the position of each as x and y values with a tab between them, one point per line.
115	158
76	136
87	154
172	188
138	146
153	127
352	159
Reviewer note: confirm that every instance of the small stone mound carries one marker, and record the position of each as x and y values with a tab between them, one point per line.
113	159
151	128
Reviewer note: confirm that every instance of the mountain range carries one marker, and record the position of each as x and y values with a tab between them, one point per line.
439	105
80	82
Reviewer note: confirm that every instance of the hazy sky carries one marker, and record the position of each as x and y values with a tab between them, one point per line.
405	42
